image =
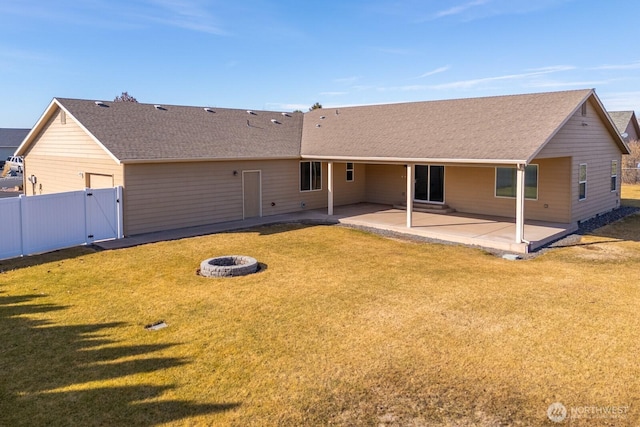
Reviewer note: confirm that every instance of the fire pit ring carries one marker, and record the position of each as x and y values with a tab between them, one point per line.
228	266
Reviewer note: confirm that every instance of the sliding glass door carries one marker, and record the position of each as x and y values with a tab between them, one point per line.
429	185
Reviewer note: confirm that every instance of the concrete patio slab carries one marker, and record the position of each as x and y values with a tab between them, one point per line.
480	230
485	231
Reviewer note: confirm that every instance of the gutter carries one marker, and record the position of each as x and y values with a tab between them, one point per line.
204	159
382	160
404	160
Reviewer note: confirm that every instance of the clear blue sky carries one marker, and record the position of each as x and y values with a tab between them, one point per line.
285	54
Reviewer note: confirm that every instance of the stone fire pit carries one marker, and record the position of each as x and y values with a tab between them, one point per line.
228	266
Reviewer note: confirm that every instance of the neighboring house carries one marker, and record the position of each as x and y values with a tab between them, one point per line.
550	156
626	123
10	140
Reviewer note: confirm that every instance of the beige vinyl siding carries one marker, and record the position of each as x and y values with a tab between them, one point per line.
62	156
60	174
472	190
96	180
589	143
348	192
386	184
599	197
167	196
66	140
554	191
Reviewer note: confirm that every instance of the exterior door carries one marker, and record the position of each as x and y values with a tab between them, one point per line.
429	186
251	194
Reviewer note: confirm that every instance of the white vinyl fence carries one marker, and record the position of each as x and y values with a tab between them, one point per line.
36	224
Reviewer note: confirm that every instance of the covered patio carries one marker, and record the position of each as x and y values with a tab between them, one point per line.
514	234
480	230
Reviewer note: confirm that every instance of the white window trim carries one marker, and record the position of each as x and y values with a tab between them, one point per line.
353	171
495	183
614	175
586	178
310	176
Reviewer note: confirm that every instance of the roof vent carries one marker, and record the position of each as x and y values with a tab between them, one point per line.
101	104
159	107
286	114
253	113
208	110
318	125
322	117
274	121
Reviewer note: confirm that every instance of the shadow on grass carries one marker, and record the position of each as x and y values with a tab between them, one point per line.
620	225
587	244
64	375
626	228
635	203
33	260
280	227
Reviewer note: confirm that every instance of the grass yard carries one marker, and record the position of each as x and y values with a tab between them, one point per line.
630	195
342	327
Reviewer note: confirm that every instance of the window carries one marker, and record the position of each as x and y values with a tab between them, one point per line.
310	176
614	175
349	171
506	182
582	182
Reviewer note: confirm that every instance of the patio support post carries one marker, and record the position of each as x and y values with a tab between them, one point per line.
410	186
520	203
330	188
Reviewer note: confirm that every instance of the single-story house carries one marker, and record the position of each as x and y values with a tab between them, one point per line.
547	156
627	124
10	140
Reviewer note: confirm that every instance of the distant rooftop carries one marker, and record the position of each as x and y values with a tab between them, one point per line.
621	119
12	137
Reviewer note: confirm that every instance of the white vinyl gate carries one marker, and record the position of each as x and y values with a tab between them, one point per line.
36	224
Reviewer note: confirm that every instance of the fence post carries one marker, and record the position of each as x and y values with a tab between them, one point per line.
86	217
23	200
120	212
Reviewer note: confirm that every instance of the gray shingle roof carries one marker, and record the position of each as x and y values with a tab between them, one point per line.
622	120
12	137
500	128
140	132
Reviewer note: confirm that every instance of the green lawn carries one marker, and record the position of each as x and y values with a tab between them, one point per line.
341	327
